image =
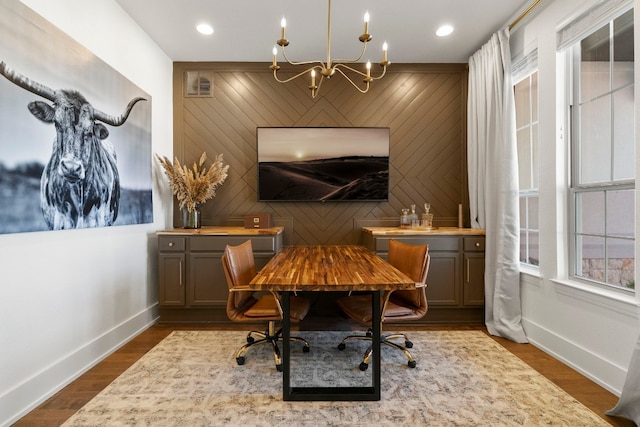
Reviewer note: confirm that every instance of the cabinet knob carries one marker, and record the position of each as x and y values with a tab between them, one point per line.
171	244
477	244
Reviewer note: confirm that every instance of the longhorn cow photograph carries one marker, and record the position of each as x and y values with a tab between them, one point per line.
61	156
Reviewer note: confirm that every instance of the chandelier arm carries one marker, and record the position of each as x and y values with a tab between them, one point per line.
360	73
275	75
284	54
350	61
351	81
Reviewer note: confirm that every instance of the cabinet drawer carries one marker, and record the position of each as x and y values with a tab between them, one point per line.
171	244
473	244
436	243
217	243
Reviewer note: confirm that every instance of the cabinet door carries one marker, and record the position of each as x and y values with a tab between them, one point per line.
207	283
171	280
443	279
473	286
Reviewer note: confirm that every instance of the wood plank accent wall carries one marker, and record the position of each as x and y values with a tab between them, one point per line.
424	105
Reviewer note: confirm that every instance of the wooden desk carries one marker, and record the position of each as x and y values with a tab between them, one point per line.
330	268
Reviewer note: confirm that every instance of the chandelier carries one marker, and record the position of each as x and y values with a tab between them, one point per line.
329	67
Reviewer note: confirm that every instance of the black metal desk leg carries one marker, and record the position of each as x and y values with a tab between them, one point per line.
286	347
375	344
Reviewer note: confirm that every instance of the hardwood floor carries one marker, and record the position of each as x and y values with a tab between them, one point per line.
65	403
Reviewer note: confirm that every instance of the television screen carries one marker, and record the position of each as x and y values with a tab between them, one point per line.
323	164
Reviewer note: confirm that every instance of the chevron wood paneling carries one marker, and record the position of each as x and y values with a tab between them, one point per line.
423	105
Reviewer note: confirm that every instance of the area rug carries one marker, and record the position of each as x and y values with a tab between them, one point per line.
462	378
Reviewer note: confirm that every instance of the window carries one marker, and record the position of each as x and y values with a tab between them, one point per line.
526	101
603	155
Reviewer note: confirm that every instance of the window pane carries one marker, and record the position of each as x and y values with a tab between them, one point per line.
524	159
534	156
623	134
594	66
623	50
534	97
523	111
595	141
523	246
532	212
620	213
590	212
620	262
590	257
534	251
523	212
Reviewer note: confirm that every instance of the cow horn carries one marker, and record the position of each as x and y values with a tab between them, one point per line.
26	83
116	121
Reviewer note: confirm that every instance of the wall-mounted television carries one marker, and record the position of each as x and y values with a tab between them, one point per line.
323	164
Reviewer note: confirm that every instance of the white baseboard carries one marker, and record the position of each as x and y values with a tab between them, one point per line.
599	370
21	400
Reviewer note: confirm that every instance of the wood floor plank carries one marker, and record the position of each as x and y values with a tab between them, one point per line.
65	403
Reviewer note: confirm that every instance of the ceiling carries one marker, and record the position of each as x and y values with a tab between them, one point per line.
246	30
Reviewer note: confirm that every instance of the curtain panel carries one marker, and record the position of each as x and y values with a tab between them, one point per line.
493	182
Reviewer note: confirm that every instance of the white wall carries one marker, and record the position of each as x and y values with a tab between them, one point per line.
592	330
71	297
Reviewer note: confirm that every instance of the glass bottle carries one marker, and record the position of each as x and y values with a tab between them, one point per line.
427	218
413	218
405	222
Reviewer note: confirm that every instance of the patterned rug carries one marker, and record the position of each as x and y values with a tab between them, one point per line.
463	378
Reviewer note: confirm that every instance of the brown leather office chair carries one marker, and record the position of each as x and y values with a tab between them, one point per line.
397	306
244	305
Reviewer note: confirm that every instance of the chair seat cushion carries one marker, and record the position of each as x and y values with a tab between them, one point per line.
358	307
266	306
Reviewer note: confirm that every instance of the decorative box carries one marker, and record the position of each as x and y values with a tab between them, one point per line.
257	220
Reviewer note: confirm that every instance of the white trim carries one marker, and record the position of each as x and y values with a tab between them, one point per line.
588	363
573	30
26	396
524	66
609	299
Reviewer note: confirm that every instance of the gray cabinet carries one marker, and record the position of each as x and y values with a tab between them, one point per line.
191	283
455	283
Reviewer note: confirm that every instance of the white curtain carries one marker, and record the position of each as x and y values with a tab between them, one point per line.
629	404
493	182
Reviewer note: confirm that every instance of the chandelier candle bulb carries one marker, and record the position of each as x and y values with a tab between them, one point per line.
385	47
275	53
313	77
366	23
368	69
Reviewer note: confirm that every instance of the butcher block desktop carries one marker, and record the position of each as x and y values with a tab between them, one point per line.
455	283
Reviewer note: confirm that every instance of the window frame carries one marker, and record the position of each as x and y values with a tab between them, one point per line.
575	186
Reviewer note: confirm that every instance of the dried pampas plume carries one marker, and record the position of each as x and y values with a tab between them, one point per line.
197	185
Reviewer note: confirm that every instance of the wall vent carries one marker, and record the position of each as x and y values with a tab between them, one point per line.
198	84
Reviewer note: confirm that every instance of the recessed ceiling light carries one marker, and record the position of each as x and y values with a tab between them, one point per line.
444	30
205	29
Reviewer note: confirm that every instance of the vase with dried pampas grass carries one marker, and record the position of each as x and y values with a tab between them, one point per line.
192	187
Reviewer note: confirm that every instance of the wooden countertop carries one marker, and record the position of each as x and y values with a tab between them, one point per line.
221	231
441	231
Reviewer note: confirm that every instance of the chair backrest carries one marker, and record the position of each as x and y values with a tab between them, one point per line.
412	260
239	268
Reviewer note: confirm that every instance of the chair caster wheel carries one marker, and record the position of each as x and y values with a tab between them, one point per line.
364	366
342	346
412	363
240	360
306	349
408	344
250	339
279	368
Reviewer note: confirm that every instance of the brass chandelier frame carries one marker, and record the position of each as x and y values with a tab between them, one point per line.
330	67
